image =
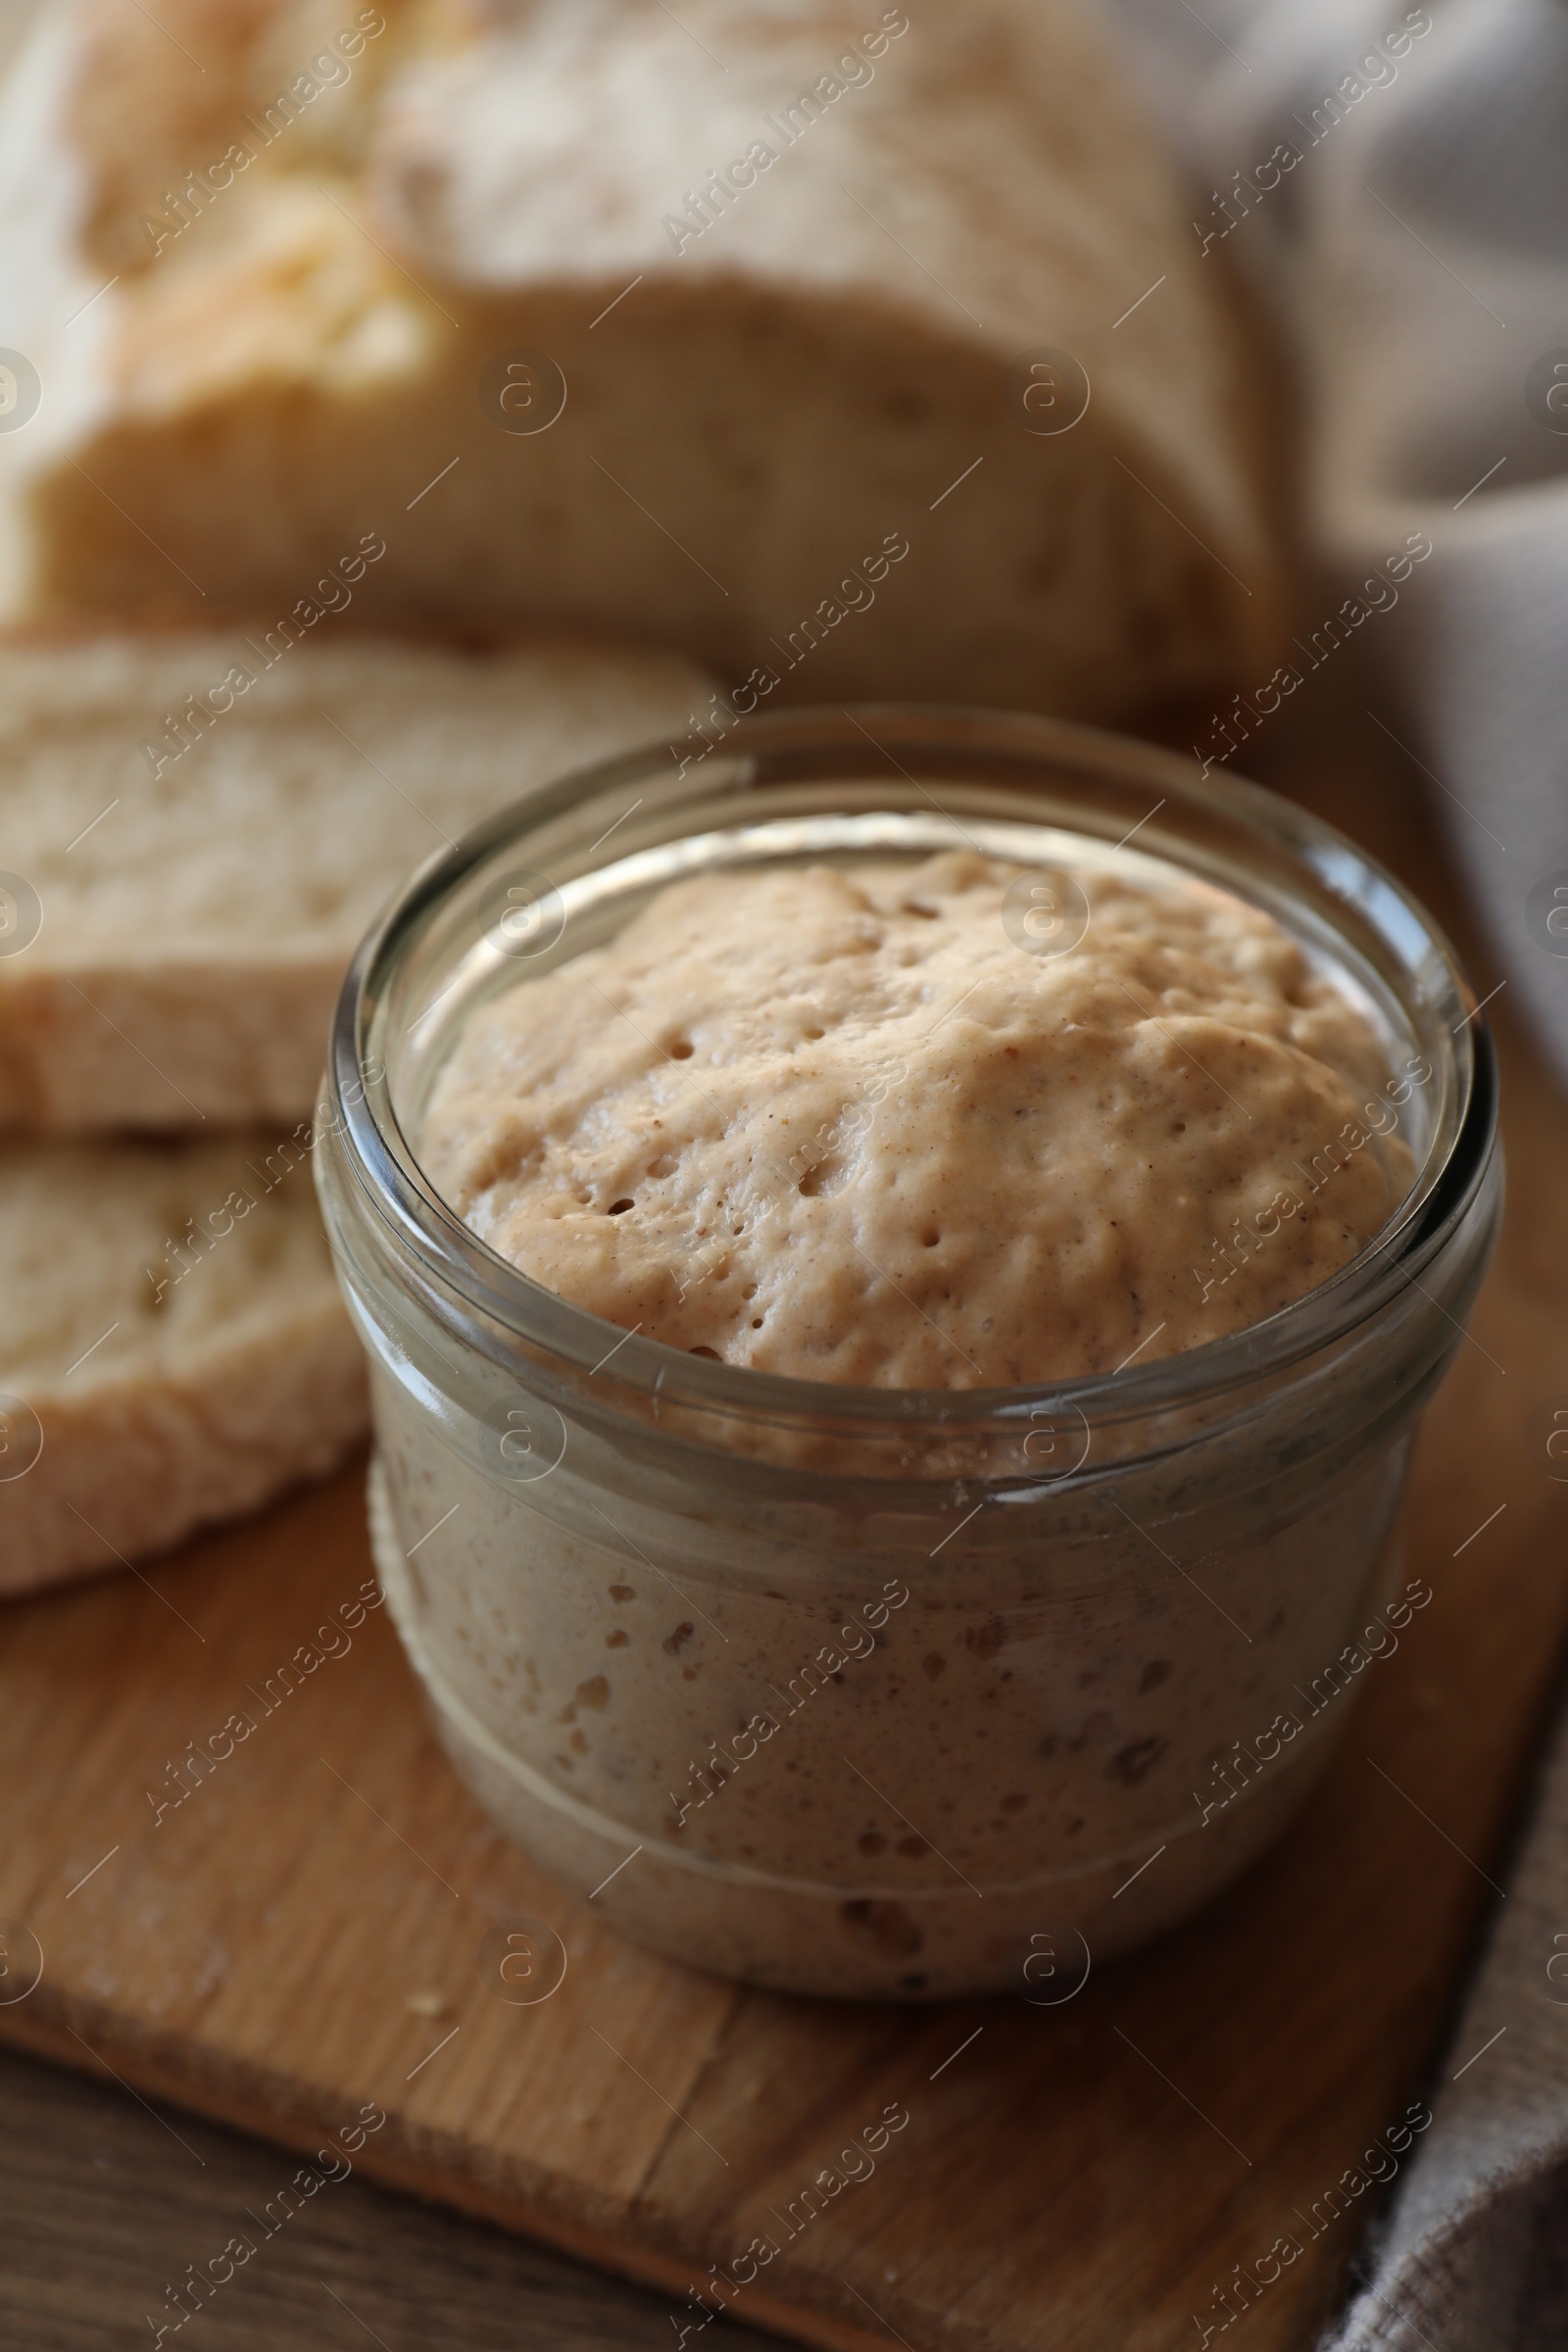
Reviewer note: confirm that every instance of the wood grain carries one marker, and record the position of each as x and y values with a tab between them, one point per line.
1069	2177
105	2207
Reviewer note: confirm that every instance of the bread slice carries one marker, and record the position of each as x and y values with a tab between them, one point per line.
174	1349
734	326
199	829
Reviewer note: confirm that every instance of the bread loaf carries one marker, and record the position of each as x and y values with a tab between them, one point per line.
197	830
174	1349
857	351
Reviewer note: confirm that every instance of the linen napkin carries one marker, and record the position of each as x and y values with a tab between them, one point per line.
1474	2257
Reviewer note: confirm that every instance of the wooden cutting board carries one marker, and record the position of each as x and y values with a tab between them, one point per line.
313	1937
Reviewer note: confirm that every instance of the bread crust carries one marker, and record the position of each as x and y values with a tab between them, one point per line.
831	354
152	102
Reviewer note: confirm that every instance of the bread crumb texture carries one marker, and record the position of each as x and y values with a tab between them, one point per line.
174	1349
838	1123
137	1260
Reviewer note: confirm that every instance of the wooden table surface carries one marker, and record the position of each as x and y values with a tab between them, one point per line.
102	2207
106	2200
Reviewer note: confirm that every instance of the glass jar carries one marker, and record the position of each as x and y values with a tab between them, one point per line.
887	1693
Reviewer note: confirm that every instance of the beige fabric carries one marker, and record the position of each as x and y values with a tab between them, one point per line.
1475	2258
760	452
174	1347
209	824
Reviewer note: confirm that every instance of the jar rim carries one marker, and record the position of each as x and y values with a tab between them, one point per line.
459	1270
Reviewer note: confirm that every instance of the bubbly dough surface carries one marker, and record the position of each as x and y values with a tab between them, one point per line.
838	1123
